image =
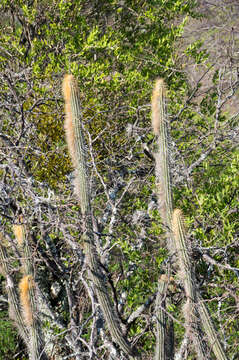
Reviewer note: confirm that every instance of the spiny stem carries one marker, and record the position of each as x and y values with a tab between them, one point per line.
14	308
76	145
162	166
187	275
28	295
76	142
210	330
163	183
160	353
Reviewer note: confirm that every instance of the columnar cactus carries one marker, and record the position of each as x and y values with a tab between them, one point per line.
160	127
76	146
164	195
187	276
194	303
176	235
23	309
210	330
160	353
27	293
14	308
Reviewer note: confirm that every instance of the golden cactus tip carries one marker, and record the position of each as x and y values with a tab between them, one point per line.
159	93
75	140
25	286
19	233
67	85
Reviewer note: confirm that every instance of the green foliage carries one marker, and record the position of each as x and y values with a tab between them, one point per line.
116	58
8	338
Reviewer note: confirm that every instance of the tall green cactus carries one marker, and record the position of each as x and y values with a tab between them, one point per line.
176	233
193	297
76	146
75	142
23	309
160	127
160	349
187	275
163	187
27	294
210	330
13	300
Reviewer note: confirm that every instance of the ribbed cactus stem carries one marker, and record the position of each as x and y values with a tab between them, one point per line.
28	296
75	141
162	180
179	231
160	353
76	145
22	241
27	299
25	286
110	315
14	306
187	275
162	167
210	330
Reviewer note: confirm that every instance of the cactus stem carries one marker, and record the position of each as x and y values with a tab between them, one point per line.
76	145
162	166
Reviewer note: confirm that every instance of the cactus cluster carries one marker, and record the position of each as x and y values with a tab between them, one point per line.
24	305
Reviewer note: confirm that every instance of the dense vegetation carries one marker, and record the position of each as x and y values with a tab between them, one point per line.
116	50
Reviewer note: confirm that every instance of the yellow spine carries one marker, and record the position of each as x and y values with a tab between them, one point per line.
158	92
25	286
178	217
19	233
68	82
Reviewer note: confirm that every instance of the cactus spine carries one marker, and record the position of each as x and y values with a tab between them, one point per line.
25	286
76	145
